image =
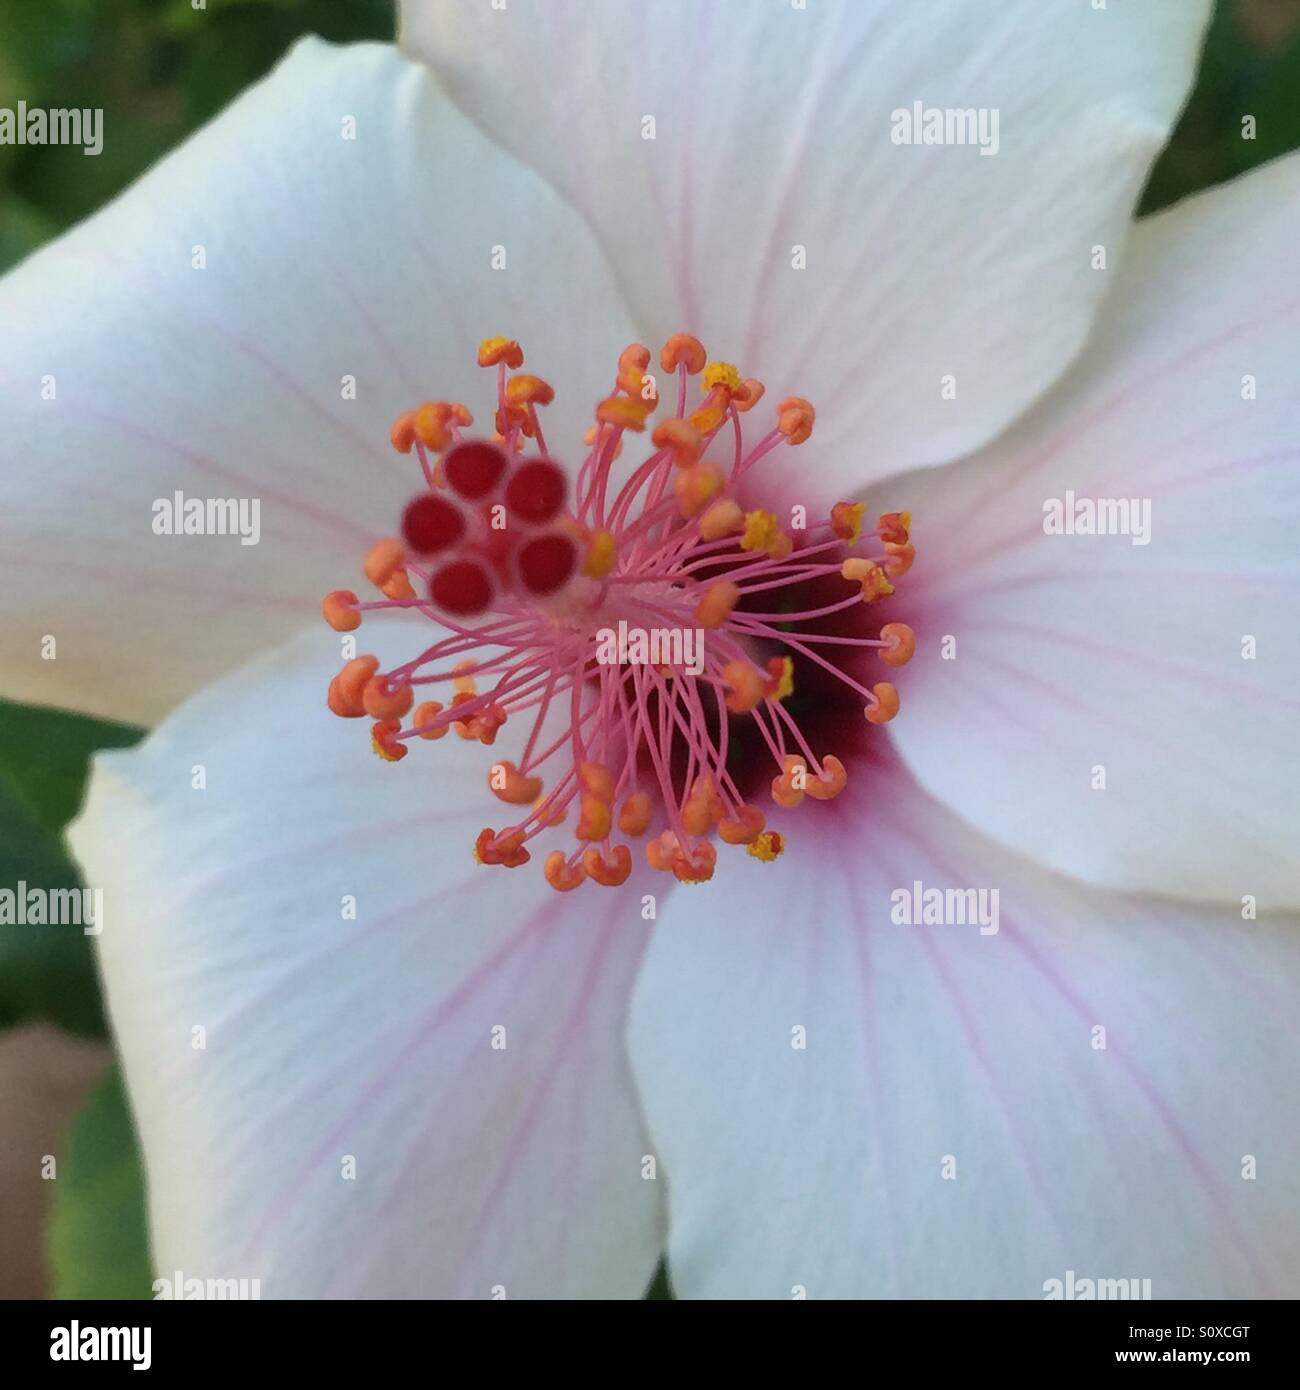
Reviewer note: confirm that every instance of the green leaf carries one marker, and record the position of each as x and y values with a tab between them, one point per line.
97	1242
45	971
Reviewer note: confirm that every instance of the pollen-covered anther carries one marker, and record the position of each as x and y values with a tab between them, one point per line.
526	389
746	686
832	781
762	533
768	846
707	418
723	518
900	643
504	849
846	520
717	605
431	425
608	870
682	349
599	555
874	581
383	740
512	786
491	351
681	438
794	418
722	376
744	827
422	721
894	527
340	612
696	487
886	704
634	818
560	874
780	678
625	412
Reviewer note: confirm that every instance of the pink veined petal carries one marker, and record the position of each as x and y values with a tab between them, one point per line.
773	214
936	1111
361	1064
1168	668
246	322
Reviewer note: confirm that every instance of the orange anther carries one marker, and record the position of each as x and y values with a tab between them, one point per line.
338	704
831	782
634	818
507	850
744	828
683	349
697	814
384	703
589	437
723	518
902	644
597	779
660	850
560	874
422	720
402	433
886	706
634	358
431	425
894	527
900	558
595	821
746	686
494	350
717	604
512	786
530	390
351	682
789	788
611	871
749	395
384	742
340	612
384	558
769	845
794	418
627	412
697	866
513	418
875	583
681	437
557	815
397	585
600	555
846	520
696	487
780	682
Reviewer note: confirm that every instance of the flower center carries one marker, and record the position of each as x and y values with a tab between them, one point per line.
648	633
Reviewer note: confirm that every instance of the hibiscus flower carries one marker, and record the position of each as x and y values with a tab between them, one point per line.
362	1063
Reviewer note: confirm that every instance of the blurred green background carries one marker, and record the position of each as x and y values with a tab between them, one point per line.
159	68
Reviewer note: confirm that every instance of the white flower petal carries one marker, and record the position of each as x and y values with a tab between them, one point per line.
1172	665
476	1165
326	257
773	131
1165	1155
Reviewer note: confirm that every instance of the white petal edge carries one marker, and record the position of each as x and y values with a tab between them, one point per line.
485	1163
327	258
1169	668
773	215
951	1127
